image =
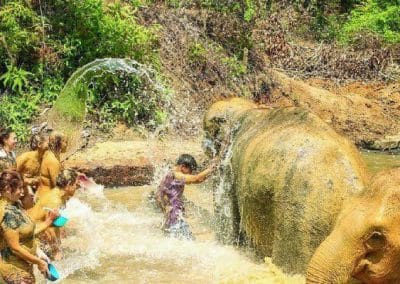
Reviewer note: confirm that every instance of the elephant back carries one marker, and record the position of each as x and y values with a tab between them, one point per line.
291	174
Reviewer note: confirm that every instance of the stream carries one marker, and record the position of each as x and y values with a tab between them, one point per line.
113	237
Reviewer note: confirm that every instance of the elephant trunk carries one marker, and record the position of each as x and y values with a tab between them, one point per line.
334	260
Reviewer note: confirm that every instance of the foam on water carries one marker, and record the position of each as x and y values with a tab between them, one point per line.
102	232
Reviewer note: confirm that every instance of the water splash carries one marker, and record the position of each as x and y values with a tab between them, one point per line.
118	238
69	111
225	202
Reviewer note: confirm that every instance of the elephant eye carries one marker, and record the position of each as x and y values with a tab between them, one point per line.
377	239
376	235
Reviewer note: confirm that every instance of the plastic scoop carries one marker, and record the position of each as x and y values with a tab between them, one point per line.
53	273
60	221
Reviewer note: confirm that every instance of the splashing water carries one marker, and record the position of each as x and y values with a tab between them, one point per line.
225	202
117	237
68	113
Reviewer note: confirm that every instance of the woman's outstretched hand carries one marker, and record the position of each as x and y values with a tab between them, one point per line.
43	267
40	254
53	214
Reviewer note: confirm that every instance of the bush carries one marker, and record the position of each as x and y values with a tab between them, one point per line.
380	18
38	53
124	97
112	90
17	111
20	34
197	53
95	30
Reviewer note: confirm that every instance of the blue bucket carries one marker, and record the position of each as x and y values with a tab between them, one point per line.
53	273
60	221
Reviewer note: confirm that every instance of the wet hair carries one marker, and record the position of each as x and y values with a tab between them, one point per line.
36	140
187	161
10	179
4	135
55	141
66	177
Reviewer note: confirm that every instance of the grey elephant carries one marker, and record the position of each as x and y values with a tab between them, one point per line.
288	176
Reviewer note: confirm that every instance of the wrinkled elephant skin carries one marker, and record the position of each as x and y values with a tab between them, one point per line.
290	176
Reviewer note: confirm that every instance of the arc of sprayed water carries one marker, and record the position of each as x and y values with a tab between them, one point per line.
71	122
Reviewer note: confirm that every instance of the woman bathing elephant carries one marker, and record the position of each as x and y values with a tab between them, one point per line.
290	174
365	242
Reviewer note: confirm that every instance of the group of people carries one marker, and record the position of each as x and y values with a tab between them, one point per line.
33	188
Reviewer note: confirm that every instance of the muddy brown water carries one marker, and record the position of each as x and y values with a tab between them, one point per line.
114	237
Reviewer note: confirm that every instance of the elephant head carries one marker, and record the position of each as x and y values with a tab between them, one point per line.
219	119
365	242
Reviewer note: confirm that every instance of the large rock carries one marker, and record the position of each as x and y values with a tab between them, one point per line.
290	173
389	143
121	163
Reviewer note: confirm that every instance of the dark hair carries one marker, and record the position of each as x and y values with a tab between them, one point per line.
36	140
5	134
55	141
10	178
187	161
66	177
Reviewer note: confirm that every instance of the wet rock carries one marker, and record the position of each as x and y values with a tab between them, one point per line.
136	172
389	143
123	163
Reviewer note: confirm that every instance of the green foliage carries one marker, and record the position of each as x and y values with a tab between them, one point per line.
377	17
17	111
16	79
96	30
124	97
20	33
249	11
236	68
38	53
197	52
50	89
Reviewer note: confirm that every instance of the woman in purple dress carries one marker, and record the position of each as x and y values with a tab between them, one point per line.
170	195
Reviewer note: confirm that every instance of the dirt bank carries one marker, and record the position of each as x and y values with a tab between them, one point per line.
366	111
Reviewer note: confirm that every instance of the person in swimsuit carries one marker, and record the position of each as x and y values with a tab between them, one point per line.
51	163
169	195
8	141
18	245
66	185
28	165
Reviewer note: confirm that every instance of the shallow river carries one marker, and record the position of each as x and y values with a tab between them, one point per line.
114	237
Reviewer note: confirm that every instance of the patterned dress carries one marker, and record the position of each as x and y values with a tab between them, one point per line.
7	160
13	269
170	199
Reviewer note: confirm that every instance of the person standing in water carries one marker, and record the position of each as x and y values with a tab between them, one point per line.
51	163
18	245
56	198
28	165
170	195
8	142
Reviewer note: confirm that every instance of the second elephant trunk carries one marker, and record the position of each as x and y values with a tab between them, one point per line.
334	260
